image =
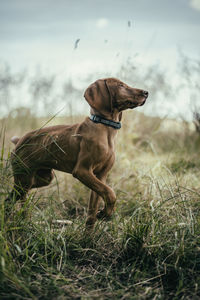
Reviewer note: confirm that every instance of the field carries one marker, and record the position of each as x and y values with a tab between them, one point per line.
149	250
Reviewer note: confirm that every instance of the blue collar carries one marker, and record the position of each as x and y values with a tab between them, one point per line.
98	119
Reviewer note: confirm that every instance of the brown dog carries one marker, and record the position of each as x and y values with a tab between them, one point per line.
85	150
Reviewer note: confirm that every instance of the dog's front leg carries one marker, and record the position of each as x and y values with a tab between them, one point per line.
92	209
103	190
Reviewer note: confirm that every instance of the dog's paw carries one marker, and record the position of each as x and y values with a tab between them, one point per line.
101	215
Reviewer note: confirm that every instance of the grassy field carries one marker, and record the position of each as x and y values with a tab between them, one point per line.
149	250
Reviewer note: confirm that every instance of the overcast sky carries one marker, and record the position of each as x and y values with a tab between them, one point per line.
45	33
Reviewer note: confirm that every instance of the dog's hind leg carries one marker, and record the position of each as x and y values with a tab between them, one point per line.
42	177
22	184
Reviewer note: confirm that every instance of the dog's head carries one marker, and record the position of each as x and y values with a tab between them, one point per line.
109	94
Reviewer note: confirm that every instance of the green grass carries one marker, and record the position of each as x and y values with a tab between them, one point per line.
149	250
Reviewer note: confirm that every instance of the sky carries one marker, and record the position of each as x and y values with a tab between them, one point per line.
74	38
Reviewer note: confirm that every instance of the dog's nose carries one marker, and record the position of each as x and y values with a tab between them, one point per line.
145	93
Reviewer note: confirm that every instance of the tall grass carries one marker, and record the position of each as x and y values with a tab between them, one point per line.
150	249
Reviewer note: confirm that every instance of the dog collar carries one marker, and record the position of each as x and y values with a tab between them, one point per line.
98	119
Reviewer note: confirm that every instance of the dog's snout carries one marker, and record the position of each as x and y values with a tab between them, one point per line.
145	93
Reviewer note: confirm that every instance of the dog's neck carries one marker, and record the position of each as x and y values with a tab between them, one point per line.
115	116
109	120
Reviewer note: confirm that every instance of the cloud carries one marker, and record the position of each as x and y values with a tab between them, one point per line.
102	23
195	4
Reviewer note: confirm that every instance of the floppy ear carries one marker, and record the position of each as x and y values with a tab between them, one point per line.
98	97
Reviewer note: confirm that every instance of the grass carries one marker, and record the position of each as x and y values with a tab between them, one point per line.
150	249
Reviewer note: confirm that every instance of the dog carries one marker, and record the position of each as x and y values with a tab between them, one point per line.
86	150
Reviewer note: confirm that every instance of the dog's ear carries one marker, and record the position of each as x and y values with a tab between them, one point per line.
98	97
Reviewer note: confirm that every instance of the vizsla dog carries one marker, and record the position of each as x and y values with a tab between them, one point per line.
85	150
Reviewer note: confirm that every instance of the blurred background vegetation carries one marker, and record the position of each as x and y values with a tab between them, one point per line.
25	97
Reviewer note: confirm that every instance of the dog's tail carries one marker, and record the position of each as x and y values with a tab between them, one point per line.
15	140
